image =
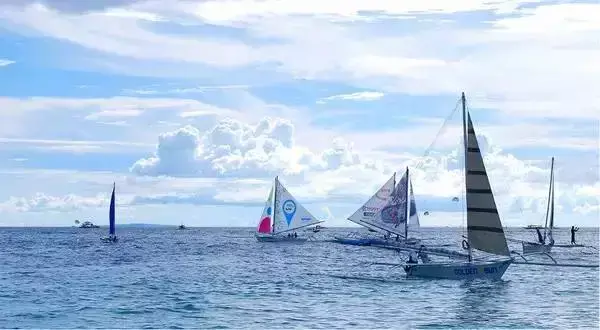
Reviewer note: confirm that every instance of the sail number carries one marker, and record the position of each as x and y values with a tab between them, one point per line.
473	270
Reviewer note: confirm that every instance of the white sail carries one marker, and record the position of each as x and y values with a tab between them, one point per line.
289	214
550	211
484	227
368	212
413	218
392	217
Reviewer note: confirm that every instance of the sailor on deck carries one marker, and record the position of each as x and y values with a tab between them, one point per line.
573	230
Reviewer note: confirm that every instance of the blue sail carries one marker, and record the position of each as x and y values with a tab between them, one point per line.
111	214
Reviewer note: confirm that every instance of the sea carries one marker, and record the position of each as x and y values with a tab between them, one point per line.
222	278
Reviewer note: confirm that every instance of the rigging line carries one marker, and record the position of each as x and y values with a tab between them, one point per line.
437	136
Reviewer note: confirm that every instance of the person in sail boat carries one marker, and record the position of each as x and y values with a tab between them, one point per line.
412	258
295	235
540	238
397	238
573	231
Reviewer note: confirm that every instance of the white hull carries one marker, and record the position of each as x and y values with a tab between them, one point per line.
491	270
109	239
280	239
532	248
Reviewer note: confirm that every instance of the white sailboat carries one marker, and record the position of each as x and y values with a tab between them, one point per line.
388	212
484	228
282	216
545	242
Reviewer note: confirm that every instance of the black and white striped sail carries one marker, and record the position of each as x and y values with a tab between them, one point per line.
484	227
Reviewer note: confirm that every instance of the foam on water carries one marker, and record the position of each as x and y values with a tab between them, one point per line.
224	278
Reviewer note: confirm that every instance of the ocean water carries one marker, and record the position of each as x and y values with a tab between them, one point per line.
223	278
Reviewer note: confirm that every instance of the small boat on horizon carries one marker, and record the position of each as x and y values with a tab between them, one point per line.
86	224
112	237
181	227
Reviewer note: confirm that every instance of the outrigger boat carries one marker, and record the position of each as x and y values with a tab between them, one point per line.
545	242
387	212
484	228
282	216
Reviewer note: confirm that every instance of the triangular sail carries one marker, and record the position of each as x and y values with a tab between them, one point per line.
392	217
289	214
264	226
484	227
413	220
550	211
111	213
368	212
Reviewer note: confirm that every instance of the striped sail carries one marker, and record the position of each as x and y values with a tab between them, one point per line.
484	227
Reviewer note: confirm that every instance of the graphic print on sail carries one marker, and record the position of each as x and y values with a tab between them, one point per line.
283	214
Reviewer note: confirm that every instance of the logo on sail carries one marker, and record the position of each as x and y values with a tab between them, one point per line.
289	209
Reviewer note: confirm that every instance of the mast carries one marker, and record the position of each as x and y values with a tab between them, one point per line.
274	204
550	207
465	146
407	208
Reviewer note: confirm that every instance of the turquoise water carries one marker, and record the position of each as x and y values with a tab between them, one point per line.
222	278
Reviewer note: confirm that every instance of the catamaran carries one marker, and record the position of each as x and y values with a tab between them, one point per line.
545	242
386	213
282	216
484	228
112	237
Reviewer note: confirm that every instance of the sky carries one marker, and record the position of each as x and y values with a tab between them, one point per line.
193	107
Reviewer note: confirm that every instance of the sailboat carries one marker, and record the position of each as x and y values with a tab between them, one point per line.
386	212
282	216
545	242
112	237
484	227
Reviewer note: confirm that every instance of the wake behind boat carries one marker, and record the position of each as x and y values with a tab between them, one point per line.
484	227
282	216
112	237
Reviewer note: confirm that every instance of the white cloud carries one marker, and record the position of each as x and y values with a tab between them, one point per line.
510	62
41	202
242	10
358	96
4	62
233	148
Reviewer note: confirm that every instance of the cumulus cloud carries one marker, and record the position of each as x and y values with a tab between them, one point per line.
233	148
41	202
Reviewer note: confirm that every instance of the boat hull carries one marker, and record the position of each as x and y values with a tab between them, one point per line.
110	239
354	241
280	239
532	248
491	270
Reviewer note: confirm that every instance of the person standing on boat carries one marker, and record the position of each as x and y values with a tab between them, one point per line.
573	230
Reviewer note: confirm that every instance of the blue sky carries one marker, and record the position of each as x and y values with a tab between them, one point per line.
193	107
